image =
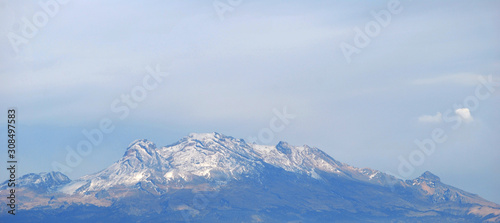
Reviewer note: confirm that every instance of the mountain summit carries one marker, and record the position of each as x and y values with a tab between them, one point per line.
211	177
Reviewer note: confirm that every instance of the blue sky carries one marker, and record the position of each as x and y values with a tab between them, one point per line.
228	72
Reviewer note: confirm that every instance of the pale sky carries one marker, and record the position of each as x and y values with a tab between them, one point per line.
230	71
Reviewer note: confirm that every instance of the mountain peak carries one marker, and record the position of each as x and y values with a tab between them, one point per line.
430	176
205	136
142	149
142	143
284	148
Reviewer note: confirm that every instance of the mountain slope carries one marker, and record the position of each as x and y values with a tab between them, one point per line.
215	178
41	183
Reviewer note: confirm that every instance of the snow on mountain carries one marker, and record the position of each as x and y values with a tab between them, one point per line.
42	182
430	185
213	156
140	162
210	155
310	161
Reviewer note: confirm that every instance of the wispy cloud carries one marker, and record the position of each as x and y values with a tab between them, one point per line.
463	113
437	118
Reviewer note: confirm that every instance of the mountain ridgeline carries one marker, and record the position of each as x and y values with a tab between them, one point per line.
216	178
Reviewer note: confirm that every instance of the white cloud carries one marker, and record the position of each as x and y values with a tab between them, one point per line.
431	118
464	113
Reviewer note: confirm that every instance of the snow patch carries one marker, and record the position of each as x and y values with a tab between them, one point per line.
72	187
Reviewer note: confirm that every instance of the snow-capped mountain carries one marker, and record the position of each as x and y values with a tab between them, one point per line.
213	156
239	181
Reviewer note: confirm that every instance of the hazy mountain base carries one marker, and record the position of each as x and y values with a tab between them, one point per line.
86	214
